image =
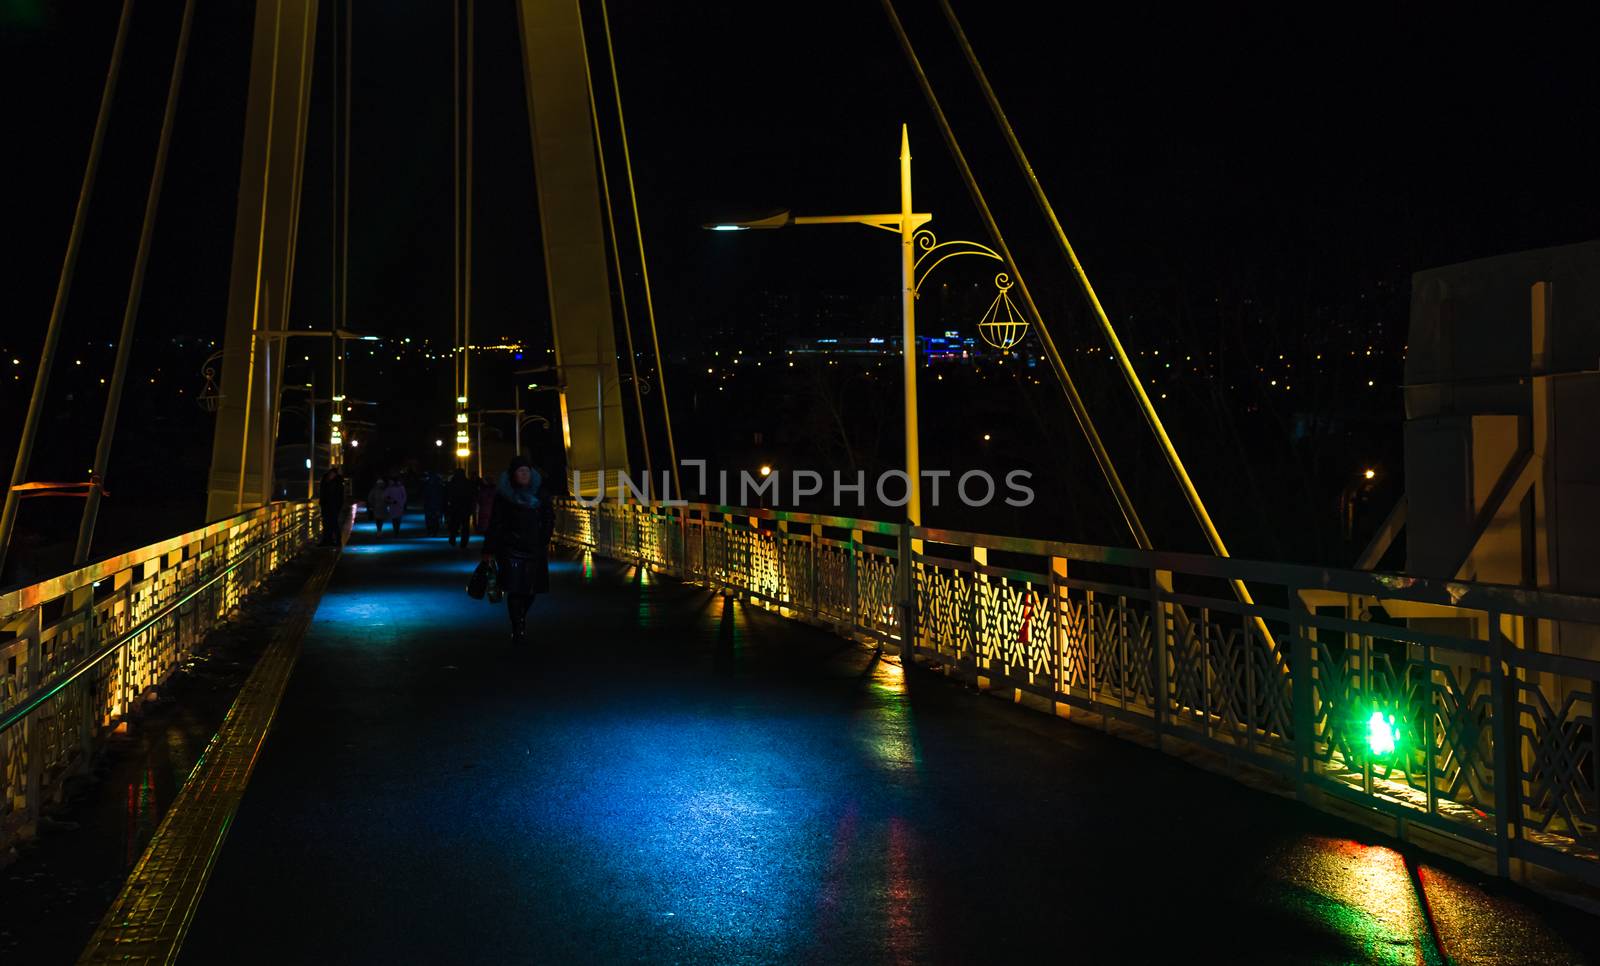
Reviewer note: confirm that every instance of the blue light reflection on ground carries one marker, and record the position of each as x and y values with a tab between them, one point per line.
376	548
745	825
734	826
691	827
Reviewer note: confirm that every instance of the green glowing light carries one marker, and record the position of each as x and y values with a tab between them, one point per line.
1381	733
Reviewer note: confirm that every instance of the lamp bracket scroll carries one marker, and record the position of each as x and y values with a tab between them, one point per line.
935	253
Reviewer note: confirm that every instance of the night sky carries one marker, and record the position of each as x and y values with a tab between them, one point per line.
1199	162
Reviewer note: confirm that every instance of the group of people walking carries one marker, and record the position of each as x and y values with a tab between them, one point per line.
386	503
462	505
514	515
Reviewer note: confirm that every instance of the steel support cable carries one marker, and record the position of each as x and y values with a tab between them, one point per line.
344	213
52	332
455	201
1240	591
130	312
1085	423
261	250
1124	363
616	256
286	292
644	265
466	263
333	218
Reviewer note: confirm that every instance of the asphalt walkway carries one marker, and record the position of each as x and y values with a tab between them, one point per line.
667	776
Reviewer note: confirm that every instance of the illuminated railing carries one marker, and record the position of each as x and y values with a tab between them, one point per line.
79	651
1461	676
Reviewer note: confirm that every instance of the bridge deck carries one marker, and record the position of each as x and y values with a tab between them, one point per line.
666	776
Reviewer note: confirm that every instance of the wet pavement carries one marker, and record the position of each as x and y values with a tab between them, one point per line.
667	776
60	885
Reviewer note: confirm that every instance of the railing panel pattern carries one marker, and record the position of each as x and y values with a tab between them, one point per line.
1558	749
79	651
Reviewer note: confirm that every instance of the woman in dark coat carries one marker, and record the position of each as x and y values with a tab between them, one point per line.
518	539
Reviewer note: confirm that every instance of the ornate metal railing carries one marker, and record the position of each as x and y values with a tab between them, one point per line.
1460	708
79	651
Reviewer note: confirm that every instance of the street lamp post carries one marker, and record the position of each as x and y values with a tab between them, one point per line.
906	223
311	436
338	422
339	335
601	385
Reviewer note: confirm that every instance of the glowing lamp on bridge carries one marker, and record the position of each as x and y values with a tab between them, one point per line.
779	218
1381	734
1002	325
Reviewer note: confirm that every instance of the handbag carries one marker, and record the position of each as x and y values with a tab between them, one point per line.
483	582
495	594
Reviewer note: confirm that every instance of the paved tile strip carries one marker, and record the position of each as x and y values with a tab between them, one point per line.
148	920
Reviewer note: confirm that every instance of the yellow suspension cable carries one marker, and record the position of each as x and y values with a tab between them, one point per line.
261	248
616	258
1125	364
344	258
274	401
52	332
333	247
1170	451
130	312
644	265
1081	412
466	264
455	201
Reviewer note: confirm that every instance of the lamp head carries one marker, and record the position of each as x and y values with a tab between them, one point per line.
777	218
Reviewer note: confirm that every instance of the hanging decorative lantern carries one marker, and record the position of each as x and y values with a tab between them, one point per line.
1002	325
210	396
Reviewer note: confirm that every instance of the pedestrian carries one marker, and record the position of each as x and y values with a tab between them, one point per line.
378	503
485	504
330	496
432	502
518	540
395	497
460	497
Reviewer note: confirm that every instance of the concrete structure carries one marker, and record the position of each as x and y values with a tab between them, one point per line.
1502	451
